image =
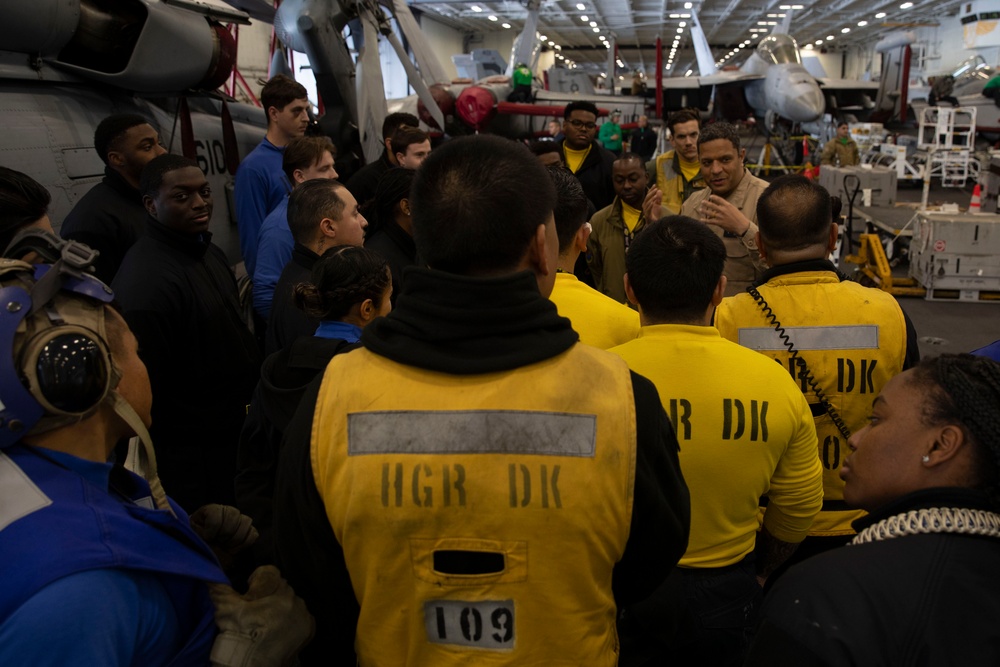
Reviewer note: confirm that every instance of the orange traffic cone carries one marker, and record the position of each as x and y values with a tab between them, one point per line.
974	206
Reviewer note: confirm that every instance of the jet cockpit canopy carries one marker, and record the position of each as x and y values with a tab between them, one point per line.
778	50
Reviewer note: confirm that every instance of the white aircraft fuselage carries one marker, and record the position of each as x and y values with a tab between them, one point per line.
786	89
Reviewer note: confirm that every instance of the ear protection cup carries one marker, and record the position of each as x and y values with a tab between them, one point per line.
59	368
67	369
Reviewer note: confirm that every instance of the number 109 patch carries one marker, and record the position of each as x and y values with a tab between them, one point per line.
485	624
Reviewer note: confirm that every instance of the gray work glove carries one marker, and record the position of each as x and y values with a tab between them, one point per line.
224	529
266	627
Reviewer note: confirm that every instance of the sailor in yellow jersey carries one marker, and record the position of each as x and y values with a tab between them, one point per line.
616	225
677	172
456	492
853	339
600	320
584	155
744	434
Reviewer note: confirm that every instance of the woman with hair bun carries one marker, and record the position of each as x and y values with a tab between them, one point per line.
918	585
350	287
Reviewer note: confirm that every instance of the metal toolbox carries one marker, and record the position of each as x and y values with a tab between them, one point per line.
881	181
956	251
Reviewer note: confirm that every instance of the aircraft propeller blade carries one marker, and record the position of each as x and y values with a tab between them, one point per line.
187	129
423	92
430	66
526	47
372	108
257	9
230	145
279	62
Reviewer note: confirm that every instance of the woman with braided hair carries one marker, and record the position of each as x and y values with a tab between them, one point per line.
350	287
918	585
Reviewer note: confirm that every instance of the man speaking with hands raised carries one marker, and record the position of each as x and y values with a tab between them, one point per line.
729	203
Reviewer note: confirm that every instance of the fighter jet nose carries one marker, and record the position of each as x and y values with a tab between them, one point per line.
805	104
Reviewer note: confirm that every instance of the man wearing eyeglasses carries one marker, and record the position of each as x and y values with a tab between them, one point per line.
585	157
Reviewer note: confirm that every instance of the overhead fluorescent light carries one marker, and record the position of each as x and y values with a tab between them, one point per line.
476	8
505	25
906	5
581	7
596	29
593	24
492	17
818	42
688	5
845	30
862	24
584	18
829	37
682	24
880	15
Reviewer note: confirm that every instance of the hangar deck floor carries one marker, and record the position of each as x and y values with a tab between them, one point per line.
946	327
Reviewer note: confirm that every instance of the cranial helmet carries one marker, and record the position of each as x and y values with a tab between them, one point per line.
57	368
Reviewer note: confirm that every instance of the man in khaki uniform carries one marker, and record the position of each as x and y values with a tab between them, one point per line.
729	203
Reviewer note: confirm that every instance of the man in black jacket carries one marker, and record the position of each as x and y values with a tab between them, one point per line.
585	156
111	216
179	297
393	235
364	182
321	214
642	141
461	466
